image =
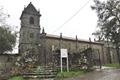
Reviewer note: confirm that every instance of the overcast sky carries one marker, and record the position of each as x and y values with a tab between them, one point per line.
55	13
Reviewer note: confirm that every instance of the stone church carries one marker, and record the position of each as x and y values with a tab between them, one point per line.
47	45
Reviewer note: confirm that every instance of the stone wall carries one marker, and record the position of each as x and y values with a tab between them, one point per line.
7	65
7	61
73	46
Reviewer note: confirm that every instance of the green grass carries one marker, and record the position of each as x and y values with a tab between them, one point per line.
16	78
113	65
69	74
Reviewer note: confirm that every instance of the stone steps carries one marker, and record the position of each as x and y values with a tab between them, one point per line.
46	74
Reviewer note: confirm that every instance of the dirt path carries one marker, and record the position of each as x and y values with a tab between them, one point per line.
110	74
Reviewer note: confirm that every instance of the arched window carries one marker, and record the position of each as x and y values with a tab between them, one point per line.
31	20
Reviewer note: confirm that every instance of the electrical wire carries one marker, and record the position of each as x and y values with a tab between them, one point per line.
71	17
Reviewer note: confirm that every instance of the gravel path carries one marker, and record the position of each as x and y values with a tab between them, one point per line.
106	74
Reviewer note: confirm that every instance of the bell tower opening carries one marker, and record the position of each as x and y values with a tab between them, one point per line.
31	20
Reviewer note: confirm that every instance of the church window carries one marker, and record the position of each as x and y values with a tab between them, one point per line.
31	20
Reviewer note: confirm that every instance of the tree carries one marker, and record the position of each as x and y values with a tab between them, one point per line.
3	17
7	40
108	13
7	37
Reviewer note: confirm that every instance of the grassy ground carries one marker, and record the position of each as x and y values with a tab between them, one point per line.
113	65
63	75
16	78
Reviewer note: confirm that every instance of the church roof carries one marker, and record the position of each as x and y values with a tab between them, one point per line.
30	9
72	39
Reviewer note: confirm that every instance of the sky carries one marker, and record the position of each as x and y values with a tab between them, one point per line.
69	17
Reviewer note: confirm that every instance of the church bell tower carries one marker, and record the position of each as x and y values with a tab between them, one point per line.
30	29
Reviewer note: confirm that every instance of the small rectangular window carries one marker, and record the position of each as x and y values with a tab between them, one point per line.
31	35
